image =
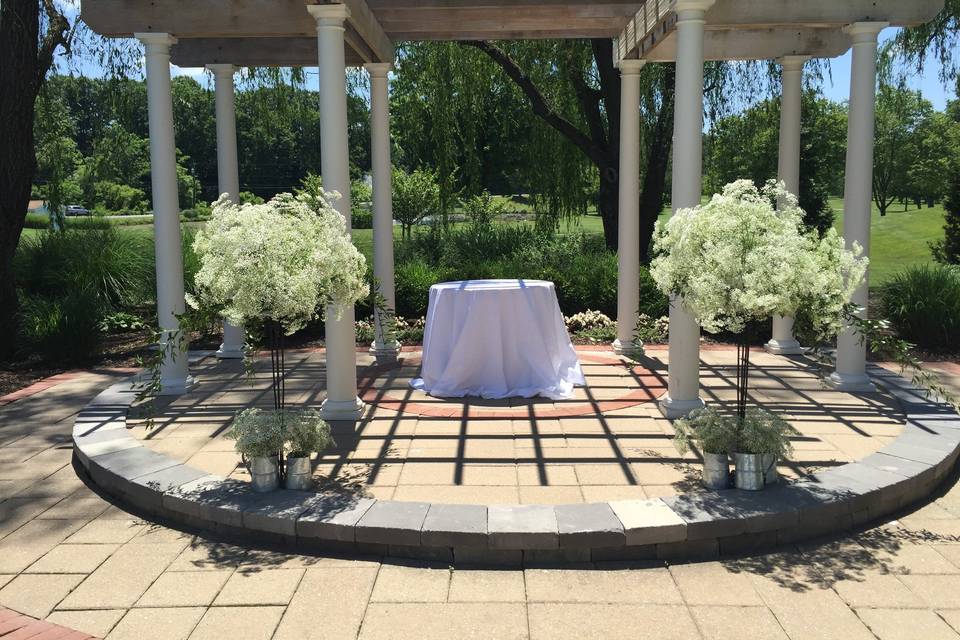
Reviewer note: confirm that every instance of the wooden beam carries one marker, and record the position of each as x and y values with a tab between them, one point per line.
367	28
759	44
252	52
375	22
763	13
653	24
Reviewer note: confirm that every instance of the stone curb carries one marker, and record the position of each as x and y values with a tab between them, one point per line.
688	526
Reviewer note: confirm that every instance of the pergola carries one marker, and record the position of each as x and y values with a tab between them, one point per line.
225	34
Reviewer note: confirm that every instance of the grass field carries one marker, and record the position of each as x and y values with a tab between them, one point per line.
899	239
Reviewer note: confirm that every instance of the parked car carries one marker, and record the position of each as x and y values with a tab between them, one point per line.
75	210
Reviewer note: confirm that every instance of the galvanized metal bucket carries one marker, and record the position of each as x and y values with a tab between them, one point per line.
264	474
299	474
750	471
770	473
716	470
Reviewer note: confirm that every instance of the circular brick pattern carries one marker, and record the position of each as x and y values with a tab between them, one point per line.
648	388
686	526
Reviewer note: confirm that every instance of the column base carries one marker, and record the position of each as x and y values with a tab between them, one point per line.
674	409
385	353
176	386
784	347
850	382
629	348
230	353
342	409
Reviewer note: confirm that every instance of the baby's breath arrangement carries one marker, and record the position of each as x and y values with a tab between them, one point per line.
306	433
710	430
740	257
257	433
284	260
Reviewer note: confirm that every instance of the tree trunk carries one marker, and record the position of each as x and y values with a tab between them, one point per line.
658	158
608	203
19	32
25	57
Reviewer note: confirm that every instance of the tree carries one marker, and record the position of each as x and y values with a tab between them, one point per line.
947	250
899	112
57	157
415	196
936	143
26	55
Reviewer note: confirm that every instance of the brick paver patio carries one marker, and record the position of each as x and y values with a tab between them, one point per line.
609	442
76	560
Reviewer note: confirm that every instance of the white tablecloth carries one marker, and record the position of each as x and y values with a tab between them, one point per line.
497	339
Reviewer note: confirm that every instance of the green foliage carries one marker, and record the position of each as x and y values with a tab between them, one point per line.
763	432
923	305
306	433
121	322
258	433
62	327
482	210
116	268
247	197
898	133
119	197
709	430
947	250
415	196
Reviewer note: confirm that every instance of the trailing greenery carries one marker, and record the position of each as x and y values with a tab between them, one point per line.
923	305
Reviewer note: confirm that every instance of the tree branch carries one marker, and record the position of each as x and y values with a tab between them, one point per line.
538	102
589	99
57	34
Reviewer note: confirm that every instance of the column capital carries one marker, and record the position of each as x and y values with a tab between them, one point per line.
691	7
631	67
329	15
792	63
865	32
378	69
220	69
156	42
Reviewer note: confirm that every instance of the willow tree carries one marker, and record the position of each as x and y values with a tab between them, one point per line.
468	106
938	40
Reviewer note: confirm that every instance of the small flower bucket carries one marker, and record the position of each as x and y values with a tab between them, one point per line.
750	471
299	474
264	474
716	471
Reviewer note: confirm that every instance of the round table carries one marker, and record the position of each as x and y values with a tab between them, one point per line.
497	339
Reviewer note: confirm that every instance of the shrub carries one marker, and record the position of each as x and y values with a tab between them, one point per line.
413	281
119	197
113	267
415	196
923	304
63	327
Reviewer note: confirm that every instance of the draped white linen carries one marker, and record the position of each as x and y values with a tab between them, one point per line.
497	339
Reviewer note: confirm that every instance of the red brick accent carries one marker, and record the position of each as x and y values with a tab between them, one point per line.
54	380
16	626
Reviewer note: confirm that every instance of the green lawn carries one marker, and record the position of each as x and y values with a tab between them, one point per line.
899	239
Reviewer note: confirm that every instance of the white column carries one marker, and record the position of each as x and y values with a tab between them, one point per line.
683	391
228	178
628	252
175	377
385	346
342	402
850	374
783	341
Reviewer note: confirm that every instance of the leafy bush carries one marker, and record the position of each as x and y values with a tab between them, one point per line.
415	196
112	266
413	281
361	219
923	304
121	322
64	327
119	197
